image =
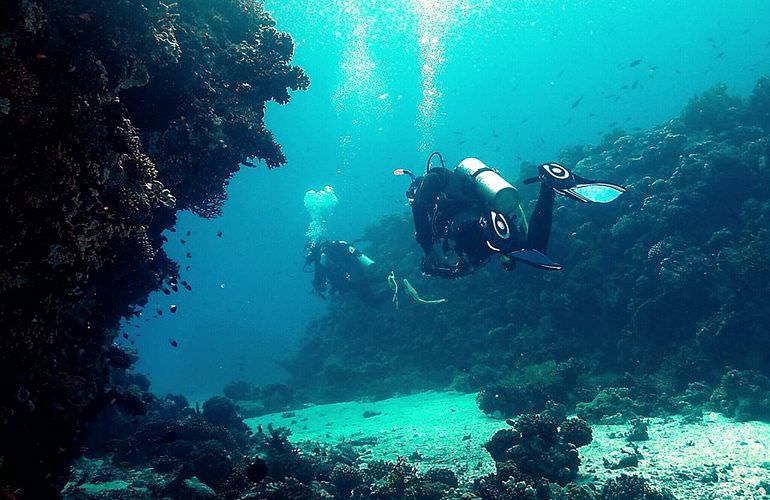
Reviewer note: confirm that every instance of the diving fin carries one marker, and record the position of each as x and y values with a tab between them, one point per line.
568	184
535	258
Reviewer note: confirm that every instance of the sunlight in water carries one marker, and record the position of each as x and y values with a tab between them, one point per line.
434	21
360	81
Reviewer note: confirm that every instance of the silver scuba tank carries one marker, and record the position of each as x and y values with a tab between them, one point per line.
495	190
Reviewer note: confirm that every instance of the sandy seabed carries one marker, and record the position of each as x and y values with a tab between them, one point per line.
715	458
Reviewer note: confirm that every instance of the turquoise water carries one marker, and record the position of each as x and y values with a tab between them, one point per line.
506	81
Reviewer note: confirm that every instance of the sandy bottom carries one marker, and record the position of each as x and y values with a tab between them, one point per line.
713	459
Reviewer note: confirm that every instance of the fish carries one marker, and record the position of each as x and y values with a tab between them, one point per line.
172	308
189	233
635	62
173	343
125	335
182	241
720	55
160	312
188	255
166	291
635	84
575	104
591	114
219	233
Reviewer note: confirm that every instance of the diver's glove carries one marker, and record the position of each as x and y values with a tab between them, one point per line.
572	186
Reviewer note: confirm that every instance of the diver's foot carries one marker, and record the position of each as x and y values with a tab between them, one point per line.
554	175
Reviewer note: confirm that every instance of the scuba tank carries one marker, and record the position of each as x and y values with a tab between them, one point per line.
362	258
499	194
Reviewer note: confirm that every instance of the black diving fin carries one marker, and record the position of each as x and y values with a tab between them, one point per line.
568	184
534	258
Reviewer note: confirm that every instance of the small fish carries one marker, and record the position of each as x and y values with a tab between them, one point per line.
457	132
613	124
635	62
174	287
635	84
186	268
259	428
219	233
182	242
186	285
172	229
575	104
166	291
720	55
384	96
41	57
125	335
189	233
591	114
173	343
624	87
160	312
172	308
188	255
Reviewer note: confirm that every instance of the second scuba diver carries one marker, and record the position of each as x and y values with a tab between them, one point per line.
339	267
465	216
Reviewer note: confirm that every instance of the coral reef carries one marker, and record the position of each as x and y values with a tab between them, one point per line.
743	395
629	487
535	450
114	116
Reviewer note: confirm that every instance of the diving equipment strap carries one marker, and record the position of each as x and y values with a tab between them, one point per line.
393	284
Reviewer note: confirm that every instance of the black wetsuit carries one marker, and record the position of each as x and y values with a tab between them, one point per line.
338	268
449	215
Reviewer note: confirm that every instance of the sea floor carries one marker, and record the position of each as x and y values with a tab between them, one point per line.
714	458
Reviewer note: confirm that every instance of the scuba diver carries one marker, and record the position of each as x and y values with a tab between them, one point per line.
342	268
464	217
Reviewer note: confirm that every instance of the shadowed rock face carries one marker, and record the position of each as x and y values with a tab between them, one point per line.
113	116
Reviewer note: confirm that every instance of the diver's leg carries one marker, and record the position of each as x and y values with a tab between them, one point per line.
540	222
422	209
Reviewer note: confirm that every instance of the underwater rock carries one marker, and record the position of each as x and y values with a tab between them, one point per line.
632	487
638	431
536	450
743	395
113	116
622	459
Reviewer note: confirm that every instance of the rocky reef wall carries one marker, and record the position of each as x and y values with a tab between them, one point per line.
113	116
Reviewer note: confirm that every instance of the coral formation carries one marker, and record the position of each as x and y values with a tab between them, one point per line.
114	116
